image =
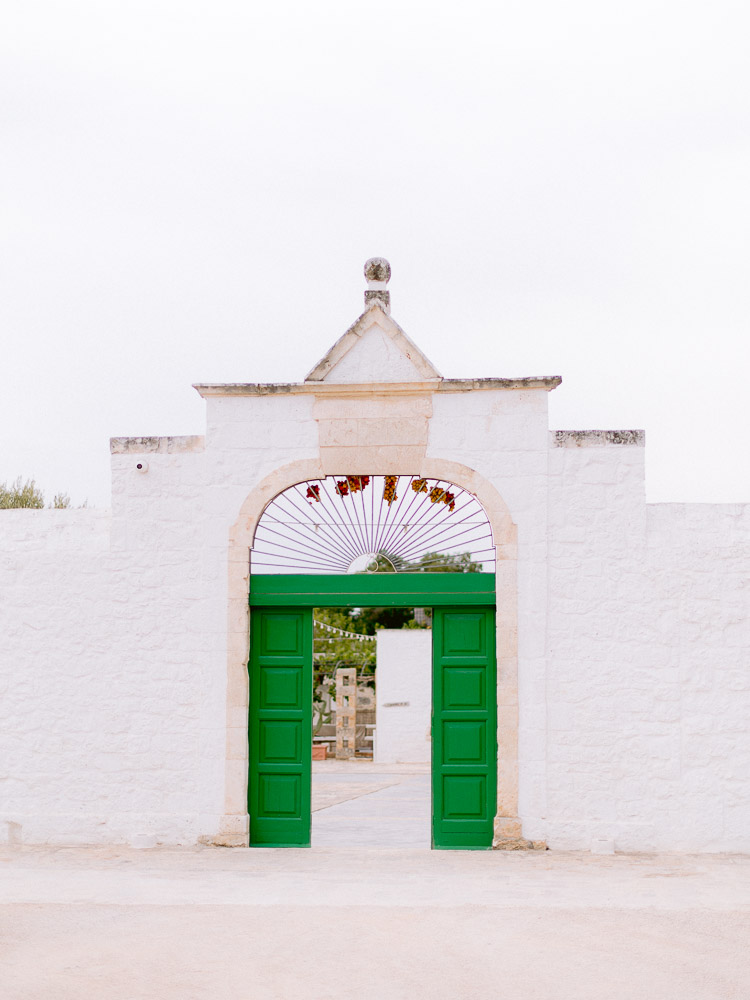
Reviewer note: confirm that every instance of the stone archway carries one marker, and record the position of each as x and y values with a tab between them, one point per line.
233	829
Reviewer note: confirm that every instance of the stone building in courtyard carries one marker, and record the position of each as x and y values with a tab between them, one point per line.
591	683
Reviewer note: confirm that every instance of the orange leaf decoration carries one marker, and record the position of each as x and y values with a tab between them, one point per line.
389	490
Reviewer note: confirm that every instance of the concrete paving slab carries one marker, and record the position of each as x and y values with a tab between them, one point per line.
329	792
373	807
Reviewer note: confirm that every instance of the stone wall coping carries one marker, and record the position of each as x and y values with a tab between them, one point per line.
156	445
597	439
546	382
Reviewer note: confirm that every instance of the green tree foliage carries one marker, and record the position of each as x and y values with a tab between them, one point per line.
437	562
28	494
370	619
21	494
334	650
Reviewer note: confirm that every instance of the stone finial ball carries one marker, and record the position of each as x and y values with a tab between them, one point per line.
377	269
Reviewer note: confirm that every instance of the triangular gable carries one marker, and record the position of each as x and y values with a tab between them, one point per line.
374	349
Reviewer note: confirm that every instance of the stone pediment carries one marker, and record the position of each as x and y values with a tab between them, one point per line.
374	348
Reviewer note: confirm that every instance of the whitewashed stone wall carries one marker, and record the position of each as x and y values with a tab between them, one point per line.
699	562
632	634
104	681
403	691
113	636
648	688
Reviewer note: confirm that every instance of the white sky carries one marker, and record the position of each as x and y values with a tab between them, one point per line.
189	191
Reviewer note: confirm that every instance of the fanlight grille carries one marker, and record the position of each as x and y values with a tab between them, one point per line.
354	524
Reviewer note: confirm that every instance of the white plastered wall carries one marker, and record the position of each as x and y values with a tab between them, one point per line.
632	694
403	691
113	636
648	690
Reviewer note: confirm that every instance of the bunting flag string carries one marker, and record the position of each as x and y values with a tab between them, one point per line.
341	631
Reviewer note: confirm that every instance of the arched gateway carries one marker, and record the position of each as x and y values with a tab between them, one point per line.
141	614
373	419
360	541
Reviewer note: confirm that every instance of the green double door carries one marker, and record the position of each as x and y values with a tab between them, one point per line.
464	746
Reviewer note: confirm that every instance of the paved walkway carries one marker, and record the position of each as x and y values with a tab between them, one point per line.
371	923
361	804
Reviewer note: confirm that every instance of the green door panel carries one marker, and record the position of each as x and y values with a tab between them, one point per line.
280	720
464	727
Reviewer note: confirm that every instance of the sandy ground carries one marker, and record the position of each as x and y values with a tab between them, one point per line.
356	921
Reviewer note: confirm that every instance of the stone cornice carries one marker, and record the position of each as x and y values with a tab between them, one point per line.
597	438
156	445
546	382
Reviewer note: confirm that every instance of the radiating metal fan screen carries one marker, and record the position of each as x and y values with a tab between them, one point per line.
355	524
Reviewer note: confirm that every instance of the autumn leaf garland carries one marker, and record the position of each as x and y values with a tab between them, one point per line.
354	484
436	494
389	490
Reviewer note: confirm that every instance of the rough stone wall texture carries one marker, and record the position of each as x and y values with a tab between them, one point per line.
699	562
113	636
648	686
101	669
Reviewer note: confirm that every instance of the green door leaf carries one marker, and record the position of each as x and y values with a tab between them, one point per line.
280	727
464	737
